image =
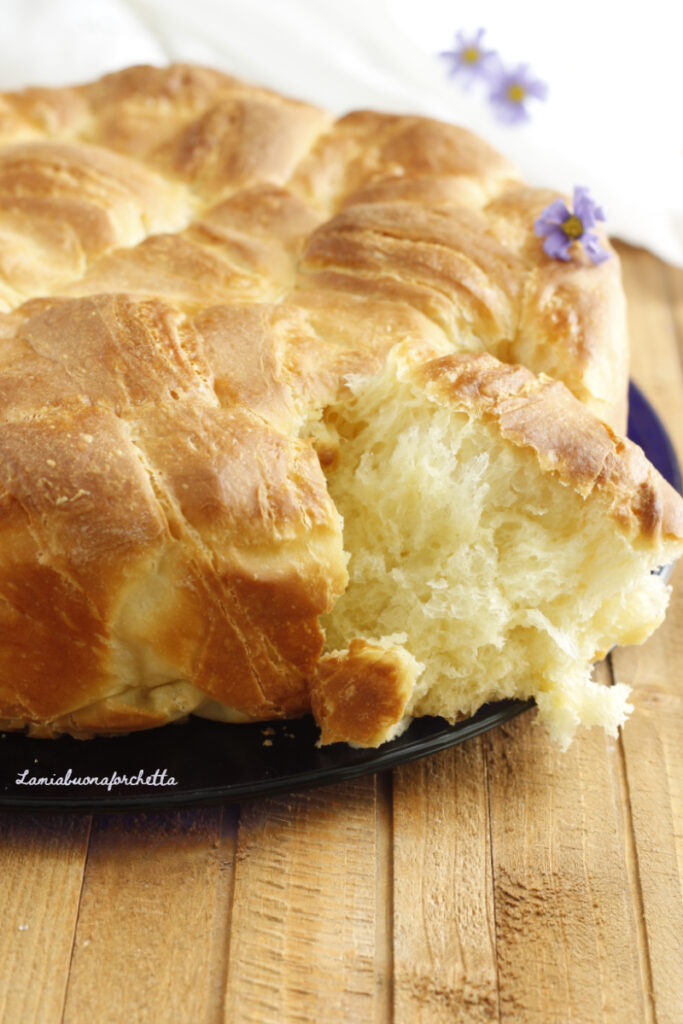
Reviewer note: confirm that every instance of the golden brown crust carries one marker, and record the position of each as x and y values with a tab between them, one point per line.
486	285
96	176
190	268
359	695
149	532
572	320
542	414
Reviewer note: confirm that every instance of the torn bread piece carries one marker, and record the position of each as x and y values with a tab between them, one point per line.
508	535
361	694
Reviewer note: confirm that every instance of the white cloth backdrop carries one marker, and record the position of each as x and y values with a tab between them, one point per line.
612	120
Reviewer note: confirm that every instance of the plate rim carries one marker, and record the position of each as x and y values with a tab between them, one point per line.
488	717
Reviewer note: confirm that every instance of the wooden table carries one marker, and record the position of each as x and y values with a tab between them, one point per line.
499	881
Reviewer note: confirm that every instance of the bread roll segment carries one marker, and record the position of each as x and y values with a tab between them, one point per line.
499	533
295	413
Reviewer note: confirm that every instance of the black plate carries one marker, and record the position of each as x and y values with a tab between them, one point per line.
204	762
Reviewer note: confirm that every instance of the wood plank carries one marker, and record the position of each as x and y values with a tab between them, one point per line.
653	756
444	932
153	893
673	277
653	739
653	673
41	870
222	920
655	358
384	923
566	931
305	909
653	747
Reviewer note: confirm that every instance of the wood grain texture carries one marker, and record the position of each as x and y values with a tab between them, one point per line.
673	277
652	742
654	770
384	894
566	933
655	346
41	871
444	929
152	892
304	916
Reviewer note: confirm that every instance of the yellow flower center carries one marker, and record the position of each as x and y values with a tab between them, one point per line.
471	55
516	92
572	227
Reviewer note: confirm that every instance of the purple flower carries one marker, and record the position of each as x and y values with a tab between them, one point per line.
561	228
468	59
511	89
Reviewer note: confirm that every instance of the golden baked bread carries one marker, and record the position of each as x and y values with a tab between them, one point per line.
228	318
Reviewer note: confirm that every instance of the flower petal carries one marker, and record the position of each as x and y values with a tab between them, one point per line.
491	66
507	110
537	89
497	74
533	86
595	250
511	112
454	63
512	108
557	245
467	60
585	208
552	216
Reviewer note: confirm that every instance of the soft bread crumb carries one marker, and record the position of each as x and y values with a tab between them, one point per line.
564	709
504	581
